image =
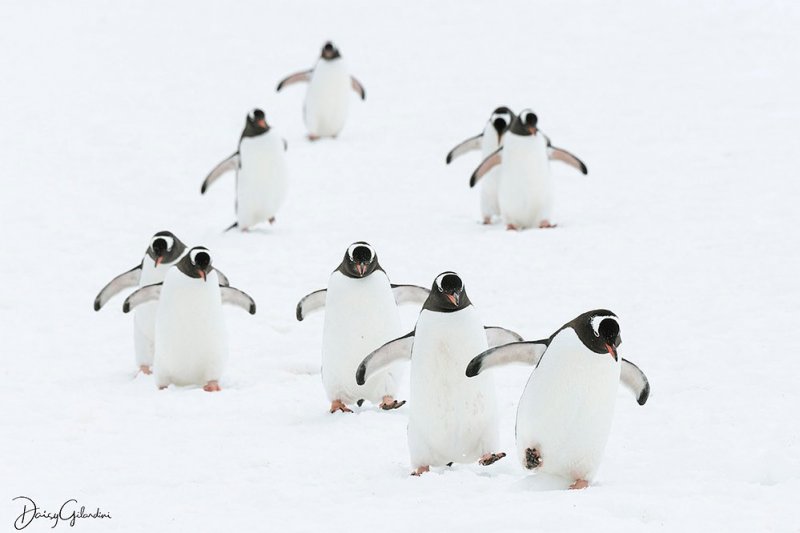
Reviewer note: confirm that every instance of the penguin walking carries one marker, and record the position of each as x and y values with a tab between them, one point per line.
261	177
524	190
191	343
360	315
452	419
564	415
487	142
328	95
164	250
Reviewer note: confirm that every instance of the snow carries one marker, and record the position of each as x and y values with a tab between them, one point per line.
686	114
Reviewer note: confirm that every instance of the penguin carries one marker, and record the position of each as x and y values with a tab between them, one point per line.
524	190
487	141
452	419
360	315
164	250
261	177
191	343
564	415
327	98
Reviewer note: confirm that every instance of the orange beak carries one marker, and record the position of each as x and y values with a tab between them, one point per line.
612	351
202	274
361	268
453	299
159	259
261	122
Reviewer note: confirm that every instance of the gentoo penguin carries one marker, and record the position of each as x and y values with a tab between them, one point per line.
260	167
487	141
163	251
191	340
360	315
524	192
452	419
327	97
565	412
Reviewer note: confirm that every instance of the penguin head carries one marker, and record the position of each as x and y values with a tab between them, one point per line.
256	123
165	247
599	331
197	263
360	260
501	120
329	52
447	294
525	123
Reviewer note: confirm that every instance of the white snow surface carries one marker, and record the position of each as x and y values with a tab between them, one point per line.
685	112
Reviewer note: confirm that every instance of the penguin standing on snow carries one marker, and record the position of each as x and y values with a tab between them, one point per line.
191	342
564	415
360	315
452	419
260	167
328	95
164	250
525	191
487	142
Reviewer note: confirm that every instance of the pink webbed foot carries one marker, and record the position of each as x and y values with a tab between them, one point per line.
421	470
390	403
511	227
490	458
338	405
212	386
579	484
145	369
544	224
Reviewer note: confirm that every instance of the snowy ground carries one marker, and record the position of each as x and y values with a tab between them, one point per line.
686	114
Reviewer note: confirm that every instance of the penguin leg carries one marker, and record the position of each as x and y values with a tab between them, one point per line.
487	220
579	484
421	470
312	137
145	369
338	405
546	224
212	386
490	458
390	403
271	220
512	227
533	459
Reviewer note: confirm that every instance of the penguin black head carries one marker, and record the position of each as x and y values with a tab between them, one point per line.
447	294
329	51
599	331
165	247
197	263
501	120
360	260
525	123
256	124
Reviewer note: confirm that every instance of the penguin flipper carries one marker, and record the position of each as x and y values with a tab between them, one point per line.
635	380
491	161
123	281
237	297
357	87
148	293
473	143
497	336
409	294
231	163
558	154
223	279
297	77
396	350
310	302
527	352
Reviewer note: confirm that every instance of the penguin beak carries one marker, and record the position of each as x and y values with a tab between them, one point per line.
533	129
612	350
261	123
202	274
454	298
361	268
159	259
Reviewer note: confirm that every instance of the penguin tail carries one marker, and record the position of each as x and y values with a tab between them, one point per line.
234	225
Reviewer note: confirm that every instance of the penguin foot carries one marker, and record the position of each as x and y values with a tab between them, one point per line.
360	402
450	464
212	386
421	470
312	137
490	458
271	220
533	459
390	403
338	405
579	484
512	227
487	221
546	224
145	369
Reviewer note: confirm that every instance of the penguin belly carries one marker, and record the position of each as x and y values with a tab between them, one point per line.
524	191
191	339
327	98
144	318
567	408
489	204
261	182
361	315
452	418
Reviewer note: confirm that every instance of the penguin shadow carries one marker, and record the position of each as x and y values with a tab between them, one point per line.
540	483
